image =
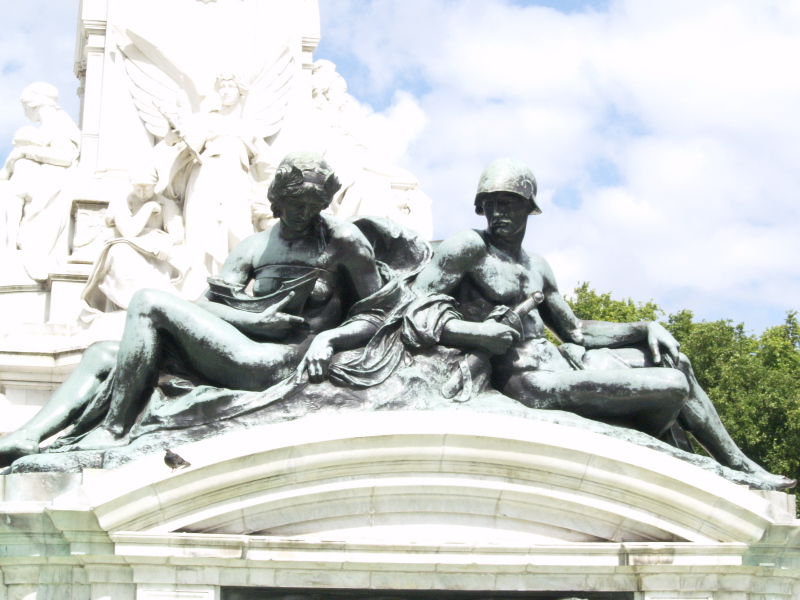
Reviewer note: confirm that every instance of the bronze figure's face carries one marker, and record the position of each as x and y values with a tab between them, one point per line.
298	213
506	213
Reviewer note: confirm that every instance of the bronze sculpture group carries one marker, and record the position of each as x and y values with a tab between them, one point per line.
344	301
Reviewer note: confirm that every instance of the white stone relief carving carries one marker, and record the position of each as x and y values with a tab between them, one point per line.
147	250
219	153
34	177
90	230
214	109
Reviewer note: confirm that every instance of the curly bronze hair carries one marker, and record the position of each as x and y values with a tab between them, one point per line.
298	173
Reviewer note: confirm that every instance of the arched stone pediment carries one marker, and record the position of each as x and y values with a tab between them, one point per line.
428	477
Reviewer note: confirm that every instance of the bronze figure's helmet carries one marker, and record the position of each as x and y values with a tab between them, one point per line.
507	175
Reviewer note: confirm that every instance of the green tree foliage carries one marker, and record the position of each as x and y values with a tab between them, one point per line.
753	380
589	305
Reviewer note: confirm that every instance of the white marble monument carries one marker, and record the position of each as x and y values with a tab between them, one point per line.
186	107
209	94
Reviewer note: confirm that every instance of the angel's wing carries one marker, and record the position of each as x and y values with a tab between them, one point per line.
269	95
158	86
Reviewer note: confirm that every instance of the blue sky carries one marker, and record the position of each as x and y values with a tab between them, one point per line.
664	134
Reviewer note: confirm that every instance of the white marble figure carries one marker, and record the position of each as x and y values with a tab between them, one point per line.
214	175
219	140
33	212
147	250
371	185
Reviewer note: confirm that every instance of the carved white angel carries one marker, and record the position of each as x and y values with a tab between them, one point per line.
220	142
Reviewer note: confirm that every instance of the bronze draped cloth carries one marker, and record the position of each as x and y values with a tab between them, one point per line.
182	400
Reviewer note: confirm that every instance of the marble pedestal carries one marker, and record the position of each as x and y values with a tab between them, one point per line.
393	502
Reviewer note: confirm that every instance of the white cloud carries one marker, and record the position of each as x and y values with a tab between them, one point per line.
389	132
693	106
